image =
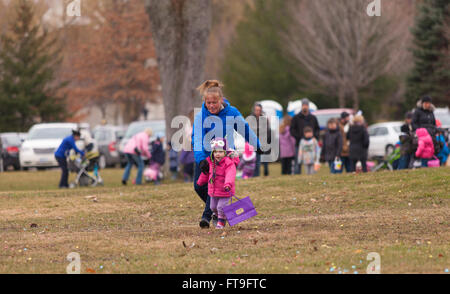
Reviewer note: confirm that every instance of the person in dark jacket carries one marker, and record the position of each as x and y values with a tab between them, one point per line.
263	136
344	126
406	139
299	122
359	143
423	116
61	156
158	157
332	145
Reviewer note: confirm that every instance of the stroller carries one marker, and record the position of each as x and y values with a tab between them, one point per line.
82	167
391	161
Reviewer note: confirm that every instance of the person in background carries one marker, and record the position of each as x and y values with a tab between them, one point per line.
425	149
61	154
248	162
332	145
158	157
309	151
299	122
406	141
344	126
287	146
137	146
359	143
423	116
173	159
445	151
187	160
262	136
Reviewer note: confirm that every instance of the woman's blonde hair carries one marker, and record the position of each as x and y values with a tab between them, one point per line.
358	119
213	87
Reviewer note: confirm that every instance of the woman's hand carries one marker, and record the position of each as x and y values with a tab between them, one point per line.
204	166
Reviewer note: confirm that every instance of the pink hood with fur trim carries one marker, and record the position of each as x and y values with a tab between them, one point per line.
426	147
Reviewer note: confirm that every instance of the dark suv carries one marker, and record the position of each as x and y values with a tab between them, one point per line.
9	146
108	138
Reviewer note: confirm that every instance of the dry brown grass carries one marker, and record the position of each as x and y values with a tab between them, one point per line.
306	224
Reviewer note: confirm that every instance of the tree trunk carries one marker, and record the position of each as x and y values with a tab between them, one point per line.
180	31
355	99
341	96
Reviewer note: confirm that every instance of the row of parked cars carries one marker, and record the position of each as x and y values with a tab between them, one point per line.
36	148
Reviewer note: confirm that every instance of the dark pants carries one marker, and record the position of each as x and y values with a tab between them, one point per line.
258	167
297	166
133	159
363	164
346	163
286	165
64	181
405	161
202	192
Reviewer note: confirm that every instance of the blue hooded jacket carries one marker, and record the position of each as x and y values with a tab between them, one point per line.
202	128
445	152
67	144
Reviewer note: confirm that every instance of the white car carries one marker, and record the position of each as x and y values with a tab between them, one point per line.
383	137
39	147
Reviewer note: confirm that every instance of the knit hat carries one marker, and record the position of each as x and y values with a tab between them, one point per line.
305	101
219	144
249	152
76	132
409	115
345	114
426	99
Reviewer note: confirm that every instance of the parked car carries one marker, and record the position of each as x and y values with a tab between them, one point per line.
323	115
9	150
108	139
443	114
383	137
42	141
158	127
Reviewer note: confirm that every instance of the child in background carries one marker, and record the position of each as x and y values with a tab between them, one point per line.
332	145
157	160
248	162
221	179
287	146
425	150
308	151
173	159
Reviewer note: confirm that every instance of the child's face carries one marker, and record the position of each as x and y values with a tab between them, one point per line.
218	155
332	126
308	135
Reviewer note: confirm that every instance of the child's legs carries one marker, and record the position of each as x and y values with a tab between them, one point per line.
221	203
214	201
309	169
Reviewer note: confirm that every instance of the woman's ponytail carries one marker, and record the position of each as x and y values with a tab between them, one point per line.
211	87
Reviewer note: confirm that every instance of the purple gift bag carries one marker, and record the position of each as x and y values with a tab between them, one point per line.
239	211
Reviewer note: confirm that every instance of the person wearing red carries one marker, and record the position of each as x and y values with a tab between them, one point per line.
425	150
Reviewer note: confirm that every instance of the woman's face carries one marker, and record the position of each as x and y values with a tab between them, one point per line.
426	105
213	103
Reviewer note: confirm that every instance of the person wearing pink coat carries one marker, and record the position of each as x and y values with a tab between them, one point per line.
221	179
137	146
425	149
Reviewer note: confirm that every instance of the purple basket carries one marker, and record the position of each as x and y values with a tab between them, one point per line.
239	211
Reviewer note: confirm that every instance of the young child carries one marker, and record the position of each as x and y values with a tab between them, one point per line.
248	162
308	151
425	150
221	179
332	145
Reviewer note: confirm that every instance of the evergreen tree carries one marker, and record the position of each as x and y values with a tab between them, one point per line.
431	72
28	60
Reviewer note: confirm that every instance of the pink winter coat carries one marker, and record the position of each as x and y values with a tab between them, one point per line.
426	147
140	141
225	176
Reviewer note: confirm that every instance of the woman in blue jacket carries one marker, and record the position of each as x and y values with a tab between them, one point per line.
215	110
61	156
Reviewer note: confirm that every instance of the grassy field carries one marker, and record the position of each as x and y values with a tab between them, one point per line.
306	224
